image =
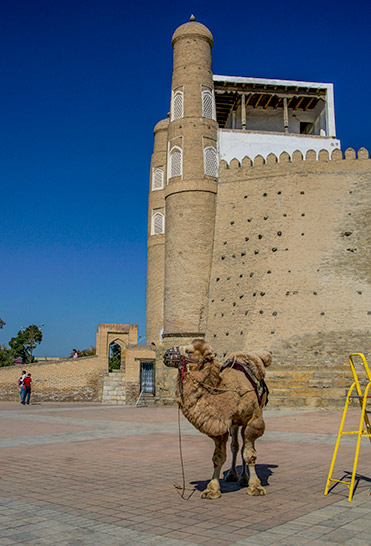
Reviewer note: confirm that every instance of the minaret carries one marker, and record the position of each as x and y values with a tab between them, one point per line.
156	235
190	192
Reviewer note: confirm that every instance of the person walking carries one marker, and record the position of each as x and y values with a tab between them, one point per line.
20	382
27	389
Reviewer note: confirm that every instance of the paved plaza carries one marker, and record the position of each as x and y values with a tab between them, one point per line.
91	474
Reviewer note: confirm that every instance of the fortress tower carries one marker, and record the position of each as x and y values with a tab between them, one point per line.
258	223
184	184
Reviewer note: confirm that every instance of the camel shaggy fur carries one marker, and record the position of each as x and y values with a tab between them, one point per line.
221	402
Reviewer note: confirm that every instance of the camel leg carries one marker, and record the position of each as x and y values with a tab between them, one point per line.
212	490
243	480
254	430
232	475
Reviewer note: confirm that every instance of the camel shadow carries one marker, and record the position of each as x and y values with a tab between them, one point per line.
263	471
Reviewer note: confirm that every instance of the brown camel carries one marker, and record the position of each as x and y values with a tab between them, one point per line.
217	400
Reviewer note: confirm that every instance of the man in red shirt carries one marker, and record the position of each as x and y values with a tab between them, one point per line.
27	389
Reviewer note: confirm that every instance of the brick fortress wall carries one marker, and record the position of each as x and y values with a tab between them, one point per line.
290	268
63	380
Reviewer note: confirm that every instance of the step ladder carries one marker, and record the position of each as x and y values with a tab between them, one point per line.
354	393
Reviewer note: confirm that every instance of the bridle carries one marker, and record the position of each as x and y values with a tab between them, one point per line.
174	358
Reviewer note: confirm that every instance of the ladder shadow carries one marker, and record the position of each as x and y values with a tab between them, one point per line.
347	475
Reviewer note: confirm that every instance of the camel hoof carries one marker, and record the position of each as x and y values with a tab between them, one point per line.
256	490
207	494
231	476
243	481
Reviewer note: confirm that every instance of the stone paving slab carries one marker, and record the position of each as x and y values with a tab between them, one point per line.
92	474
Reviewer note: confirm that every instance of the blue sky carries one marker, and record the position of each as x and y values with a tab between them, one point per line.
83	84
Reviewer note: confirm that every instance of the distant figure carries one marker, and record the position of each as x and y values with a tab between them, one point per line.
74	354
20	382
27	389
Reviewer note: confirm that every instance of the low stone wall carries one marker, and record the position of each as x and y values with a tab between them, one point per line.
65	380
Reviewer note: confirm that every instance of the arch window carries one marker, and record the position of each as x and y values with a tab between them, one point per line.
158	179
175	162
178	105
210	161
158	223
208	109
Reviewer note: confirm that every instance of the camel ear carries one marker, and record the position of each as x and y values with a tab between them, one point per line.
208	354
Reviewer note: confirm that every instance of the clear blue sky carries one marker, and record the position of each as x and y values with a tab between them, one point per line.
83	84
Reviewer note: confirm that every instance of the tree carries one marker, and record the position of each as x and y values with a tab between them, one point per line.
85	352
114	362
26	340
2	323
6	356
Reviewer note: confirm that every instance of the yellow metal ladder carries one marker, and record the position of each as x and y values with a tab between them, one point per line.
364	420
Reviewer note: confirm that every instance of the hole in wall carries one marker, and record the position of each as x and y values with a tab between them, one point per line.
260	236
266	217
256	251
246	239
232	222
279	233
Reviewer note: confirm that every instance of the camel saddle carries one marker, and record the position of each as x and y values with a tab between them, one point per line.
260	387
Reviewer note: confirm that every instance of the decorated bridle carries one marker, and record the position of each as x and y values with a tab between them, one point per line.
174	358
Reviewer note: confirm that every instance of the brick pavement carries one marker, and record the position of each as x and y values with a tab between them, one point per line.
91	474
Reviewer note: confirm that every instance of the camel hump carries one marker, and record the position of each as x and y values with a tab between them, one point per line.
265	357
255	361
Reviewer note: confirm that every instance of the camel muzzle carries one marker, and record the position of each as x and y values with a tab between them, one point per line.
173	357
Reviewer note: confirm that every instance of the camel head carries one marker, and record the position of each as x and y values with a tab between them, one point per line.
193	356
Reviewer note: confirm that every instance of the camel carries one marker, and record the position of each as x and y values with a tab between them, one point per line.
218	401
